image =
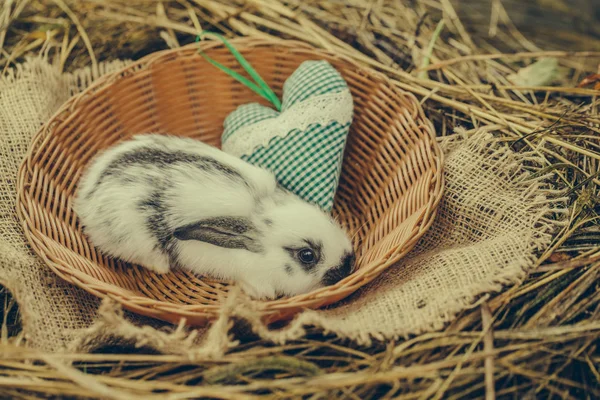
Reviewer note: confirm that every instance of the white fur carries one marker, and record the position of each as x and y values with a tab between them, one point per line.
113	221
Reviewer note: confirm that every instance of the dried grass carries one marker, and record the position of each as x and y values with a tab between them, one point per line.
536	339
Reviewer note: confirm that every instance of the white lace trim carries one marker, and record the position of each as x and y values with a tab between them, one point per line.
323	110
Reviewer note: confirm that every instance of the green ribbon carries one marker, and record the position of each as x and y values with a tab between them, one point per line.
259	86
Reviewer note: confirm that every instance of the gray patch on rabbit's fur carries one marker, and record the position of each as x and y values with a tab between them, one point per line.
162	158
165	158
155	211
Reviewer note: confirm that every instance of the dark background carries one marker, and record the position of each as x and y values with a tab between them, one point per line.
550	24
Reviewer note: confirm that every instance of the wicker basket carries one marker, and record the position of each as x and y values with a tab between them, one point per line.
390	186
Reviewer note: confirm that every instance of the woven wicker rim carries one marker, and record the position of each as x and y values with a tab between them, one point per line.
48	177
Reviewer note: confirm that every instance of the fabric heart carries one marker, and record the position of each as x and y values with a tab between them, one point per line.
304	144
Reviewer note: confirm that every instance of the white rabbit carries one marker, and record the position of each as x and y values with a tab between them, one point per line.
162	202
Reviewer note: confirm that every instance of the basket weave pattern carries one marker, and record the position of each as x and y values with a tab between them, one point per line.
390	186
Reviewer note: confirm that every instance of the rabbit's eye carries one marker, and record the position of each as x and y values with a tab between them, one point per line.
307	256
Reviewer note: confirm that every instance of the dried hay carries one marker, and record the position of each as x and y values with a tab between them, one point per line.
536	339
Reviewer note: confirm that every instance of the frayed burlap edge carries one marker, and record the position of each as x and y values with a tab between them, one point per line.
76	81
212	342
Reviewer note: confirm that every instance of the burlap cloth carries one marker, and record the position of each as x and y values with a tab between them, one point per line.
493	221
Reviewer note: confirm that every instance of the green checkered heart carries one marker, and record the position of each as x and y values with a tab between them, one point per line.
303	145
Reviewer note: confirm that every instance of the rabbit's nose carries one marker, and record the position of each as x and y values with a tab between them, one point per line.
334	275
348	262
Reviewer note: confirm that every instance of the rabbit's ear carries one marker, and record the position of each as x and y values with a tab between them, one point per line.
227	232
